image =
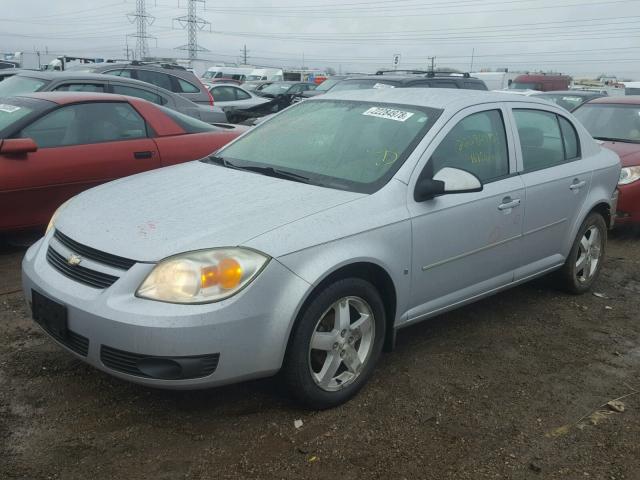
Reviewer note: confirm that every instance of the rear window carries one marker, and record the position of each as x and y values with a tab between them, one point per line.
18	85
189	124
187	87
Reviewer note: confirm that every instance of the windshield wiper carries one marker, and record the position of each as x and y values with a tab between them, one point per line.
612	139
268	171
274	172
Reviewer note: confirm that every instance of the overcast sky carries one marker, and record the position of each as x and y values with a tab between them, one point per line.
579	37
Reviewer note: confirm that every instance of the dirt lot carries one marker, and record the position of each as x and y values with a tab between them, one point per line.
507	388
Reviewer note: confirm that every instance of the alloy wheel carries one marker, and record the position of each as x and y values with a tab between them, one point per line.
341	343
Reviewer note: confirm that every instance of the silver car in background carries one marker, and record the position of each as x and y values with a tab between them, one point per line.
304	245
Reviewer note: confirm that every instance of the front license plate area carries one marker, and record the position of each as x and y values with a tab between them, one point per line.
51	315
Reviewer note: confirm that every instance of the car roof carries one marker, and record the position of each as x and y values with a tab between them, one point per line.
411	76
222	84
622	99
64	98
579	93
52	75
289	82
442	98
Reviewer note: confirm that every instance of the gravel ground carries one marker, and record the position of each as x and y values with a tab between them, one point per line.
510	387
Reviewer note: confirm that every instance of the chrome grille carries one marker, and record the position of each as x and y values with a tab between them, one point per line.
80	274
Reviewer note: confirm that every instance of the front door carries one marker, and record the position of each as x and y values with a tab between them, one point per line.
467	244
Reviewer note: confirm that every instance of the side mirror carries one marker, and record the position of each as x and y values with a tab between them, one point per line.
447	180
18	146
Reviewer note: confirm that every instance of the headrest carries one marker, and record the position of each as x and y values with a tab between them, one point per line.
531	137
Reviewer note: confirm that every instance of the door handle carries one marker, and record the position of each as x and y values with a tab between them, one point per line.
147	154
508	204
577	184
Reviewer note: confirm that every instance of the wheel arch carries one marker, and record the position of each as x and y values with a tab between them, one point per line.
372	272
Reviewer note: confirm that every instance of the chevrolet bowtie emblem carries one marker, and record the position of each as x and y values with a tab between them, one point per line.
74	260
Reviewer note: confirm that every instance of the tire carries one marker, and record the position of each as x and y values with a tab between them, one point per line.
575	277
328	376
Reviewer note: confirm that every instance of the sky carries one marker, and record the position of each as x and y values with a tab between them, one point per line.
583	38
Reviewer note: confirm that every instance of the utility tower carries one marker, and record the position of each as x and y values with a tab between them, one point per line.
142	19
244	52
192	24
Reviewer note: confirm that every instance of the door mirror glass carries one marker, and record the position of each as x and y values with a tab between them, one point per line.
447	180
18	146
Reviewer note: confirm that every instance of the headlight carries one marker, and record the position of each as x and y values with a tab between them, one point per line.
52	222
202	276
629	175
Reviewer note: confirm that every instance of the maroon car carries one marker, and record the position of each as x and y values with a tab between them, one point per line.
55	145
616	122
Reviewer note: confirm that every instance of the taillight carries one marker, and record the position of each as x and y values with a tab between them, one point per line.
208	93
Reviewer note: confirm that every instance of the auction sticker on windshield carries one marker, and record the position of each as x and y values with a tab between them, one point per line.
8	108
388	113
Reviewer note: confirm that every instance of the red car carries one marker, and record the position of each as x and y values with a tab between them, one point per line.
55	145
616	122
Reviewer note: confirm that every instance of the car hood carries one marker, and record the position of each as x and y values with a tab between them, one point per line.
190	206
628	152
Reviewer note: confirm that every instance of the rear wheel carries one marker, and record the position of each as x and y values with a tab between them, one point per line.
584	262
335	344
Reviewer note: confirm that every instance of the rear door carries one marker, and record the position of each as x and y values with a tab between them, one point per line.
79	146
557	182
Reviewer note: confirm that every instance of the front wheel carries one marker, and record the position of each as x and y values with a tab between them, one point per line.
584	262
335	344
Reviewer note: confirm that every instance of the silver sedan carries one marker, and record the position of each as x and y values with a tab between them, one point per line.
304	245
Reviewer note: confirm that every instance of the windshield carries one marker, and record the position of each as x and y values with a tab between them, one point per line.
12	110
328	83
19	85
276	88
525	86
355	146
568	102
361	84
610	121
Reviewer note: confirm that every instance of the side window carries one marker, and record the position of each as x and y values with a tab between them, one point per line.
139	93
112	121
223	94
156	78
478	144
474	85
570	139
241	94
86	123
446	84
80	87
55	129
187	87
120	73
540	139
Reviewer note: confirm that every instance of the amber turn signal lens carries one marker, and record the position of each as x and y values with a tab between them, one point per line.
229	273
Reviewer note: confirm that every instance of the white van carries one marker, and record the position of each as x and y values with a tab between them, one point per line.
271	74
235	73
496	80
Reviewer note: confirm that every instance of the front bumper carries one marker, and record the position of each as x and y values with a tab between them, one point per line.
628	208
247	333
